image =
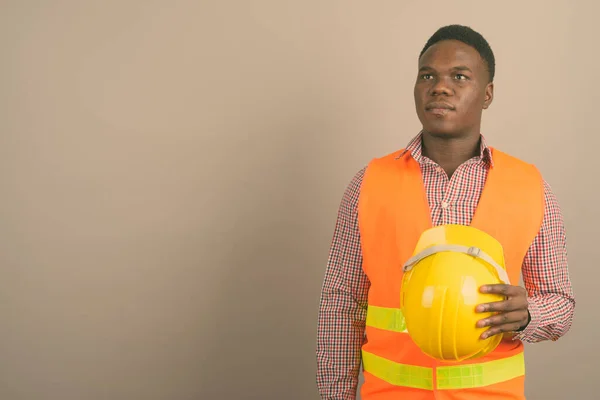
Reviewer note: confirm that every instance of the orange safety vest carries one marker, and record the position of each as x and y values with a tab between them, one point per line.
393	211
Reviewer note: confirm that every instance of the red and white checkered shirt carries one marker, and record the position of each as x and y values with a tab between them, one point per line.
343	306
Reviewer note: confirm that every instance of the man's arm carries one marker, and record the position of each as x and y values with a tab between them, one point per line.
342	310
546	278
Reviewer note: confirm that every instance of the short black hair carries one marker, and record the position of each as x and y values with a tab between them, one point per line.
468	36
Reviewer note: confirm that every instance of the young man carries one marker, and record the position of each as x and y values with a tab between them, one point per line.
448	172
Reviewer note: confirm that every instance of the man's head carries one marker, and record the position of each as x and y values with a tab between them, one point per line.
455	82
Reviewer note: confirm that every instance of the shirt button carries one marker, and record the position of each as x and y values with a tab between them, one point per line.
445	205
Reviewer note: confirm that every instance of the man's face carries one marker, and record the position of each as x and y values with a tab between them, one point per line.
452	89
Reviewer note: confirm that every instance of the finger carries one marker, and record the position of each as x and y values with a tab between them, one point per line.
508	318
511	304
507	290
498	329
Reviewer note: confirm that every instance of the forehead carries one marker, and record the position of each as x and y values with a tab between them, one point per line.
449	54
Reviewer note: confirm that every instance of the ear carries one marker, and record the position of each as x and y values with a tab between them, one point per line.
489	95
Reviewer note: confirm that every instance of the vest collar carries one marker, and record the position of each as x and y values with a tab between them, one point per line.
415	147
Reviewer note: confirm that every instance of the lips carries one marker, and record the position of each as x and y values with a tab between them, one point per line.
437	105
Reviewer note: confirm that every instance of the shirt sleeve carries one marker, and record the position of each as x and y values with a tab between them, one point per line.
546	278
343	304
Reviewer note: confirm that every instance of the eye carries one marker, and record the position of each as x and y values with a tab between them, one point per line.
461	77
426	76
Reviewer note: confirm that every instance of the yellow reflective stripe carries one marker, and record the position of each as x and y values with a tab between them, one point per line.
398	374
389	319
483	374
450	377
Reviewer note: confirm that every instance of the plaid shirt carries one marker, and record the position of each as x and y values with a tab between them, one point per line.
343	305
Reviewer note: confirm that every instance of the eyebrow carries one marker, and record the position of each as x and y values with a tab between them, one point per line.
457	68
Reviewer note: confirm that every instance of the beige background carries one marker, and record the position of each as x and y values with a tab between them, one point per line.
171	171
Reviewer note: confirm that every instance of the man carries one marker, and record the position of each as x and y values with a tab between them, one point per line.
457	176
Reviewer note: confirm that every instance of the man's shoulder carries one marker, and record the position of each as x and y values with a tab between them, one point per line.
504	156
390	156
352	191
376	160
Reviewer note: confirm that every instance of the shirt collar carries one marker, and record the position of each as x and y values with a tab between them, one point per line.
415	147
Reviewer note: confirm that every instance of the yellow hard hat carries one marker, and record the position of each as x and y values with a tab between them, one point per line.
441	289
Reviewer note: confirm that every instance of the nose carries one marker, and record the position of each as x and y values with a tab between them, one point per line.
441	87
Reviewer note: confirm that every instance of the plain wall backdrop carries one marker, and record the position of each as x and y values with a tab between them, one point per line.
170	173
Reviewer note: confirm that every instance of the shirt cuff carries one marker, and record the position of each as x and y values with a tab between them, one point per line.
534	323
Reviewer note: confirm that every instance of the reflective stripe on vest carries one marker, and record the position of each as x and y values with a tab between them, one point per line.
448	377
462	376
396	373
389	319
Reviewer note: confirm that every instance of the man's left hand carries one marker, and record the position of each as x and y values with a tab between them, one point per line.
513	314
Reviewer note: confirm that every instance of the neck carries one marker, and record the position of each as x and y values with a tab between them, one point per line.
450	152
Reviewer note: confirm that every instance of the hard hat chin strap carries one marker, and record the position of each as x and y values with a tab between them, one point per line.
472	251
